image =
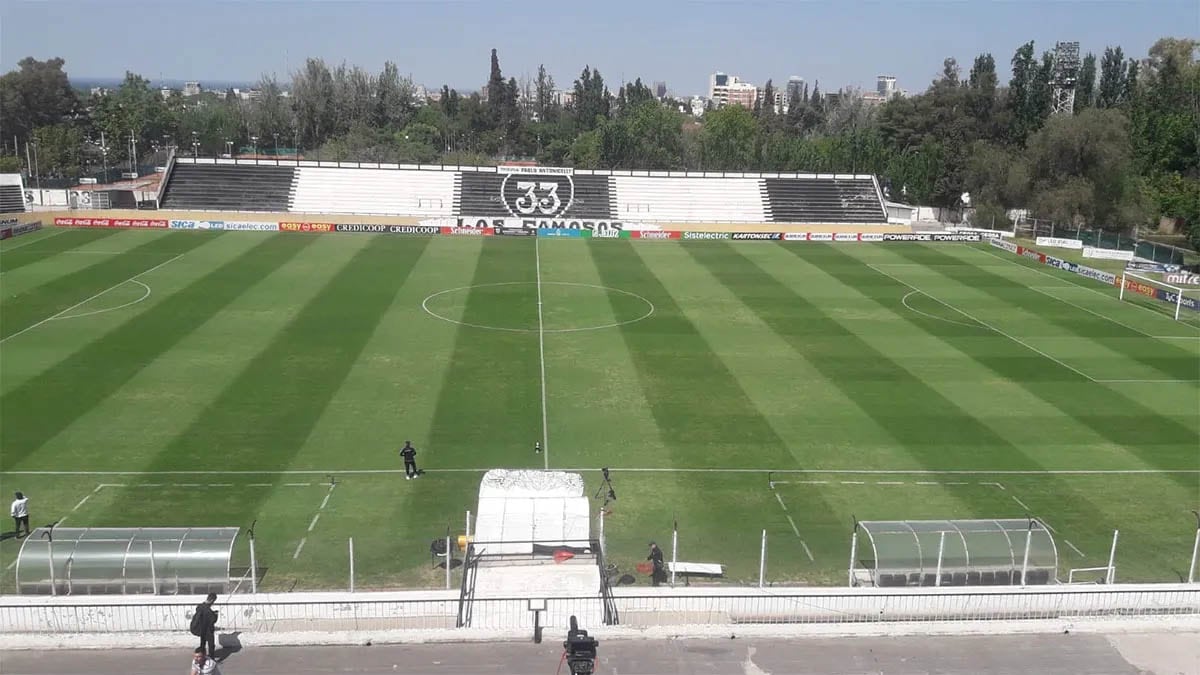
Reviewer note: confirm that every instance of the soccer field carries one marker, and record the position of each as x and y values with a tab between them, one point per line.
218	379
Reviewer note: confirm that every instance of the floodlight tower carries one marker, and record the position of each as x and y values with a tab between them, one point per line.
1064	77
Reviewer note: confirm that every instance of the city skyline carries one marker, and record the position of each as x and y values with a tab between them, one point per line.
837	44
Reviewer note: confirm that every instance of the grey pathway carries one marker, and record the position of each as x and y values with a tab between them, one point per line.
974	655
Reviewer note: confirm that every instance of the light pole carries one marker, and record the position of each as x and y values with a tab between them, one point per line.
104	154
229	147
276	135
254	146
37	174
195	145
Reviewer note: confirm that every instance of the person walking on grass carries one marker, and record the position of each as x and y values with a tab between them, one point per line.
409	453
20	513
658	570
203	664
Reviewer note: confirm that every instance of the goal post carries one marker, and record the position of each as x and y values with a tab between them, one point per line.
1180	300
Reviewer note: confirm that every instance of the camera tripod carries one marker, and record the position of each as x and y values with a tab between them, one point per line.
606	489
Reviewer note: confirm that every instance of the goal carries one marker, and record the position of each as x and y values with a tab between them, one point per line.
1183	303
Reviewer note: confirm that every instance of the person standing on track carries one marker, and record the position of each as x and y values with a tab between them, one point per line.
409	453
658	571
20	513
205	626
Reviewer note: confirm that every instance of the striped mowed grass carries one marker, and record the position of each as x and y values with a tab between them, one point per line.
218	379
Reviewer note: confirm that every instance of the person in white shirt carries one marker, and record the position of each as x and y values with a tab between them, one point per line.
203	664
20	513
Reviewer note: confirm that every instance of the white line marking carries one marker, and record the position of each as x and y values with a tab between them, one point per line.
78	304
259	485
299	547
537	264
1047	274
12	564
996	485
1048	525
104	485
39	240
1019	502
794	528
781	501
866	472
853	482
1074	548
220	485
150	484
807	552
986	325
110	309
312	525
889	482
98	488
189	485
904	301
1176	337
326	500
928	482
1148	381
82	502
425	306
1102	316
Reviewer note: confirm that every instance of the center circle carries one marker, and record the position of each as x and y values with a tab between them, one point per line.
566	307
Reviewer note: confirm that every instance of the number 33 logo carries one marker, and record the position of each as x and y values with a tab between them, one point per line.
537	196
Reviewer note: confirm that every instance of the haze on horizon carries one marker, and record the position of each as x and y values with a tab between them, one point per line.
838	43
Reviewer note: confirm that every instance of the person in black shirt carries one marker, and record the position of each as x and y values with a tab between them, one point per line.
659	572
208	625
409	453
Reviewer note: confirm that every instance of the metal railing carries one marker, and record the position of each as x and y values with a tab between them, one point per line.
671	608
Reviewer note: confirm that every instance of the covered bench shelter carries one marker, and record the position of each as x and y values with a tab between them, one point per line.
891	553
118	560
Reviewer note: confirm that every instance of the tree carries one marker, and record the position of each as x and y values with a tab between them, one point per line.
272	112
767	110
1112	78
981	96
134	108
1080	170
394	104
316	110
1020	87
591	99
36	94
1085	86
497	92
60	150
728	139
544	96
950	71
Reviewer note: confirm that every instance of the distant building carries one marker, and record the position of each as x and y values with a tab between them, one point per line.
100	91
698	104
795	87
191	89
564	98
660	90
726	90
165	92
885	87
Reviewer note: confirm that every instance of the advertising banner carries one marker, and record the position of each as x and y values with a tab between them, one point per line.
514	232
18	230
1031	254
306	227
1059	242
907	236
570	234
846	236
538	223
536	170
377	228
957	236
1178	278
1099	275
1143	266
1006	245
819	236
468	231
707	235
657	234
871	236
110	222
1106	253
758	236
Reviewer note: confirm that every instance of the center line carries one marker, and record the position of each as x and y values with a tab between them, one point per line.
537	257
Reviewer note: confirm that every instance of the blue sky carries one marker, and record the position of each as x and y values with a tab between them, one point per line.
839	43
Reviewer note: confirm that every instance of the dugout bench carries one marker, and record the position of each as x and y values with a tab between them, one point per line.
687	570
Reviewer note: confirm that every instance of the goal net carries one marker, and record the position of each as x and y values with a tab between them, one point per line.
1181	303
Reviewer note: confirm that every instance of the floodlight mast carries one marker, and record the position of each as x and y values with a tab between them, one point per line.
1064	77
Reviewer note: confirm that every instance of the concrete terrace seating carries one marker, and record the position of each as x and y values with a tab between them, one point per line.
689	199
227	187
400	192
824	200
12	200
479	194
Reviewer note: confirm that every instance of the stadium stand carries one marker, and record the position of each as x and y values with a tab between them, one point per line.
489	193
228	187
373	191
821	199
690	199
480	194
12	199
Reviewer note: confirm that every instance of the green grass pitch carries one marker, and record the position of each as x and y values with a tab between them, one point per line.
205	379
